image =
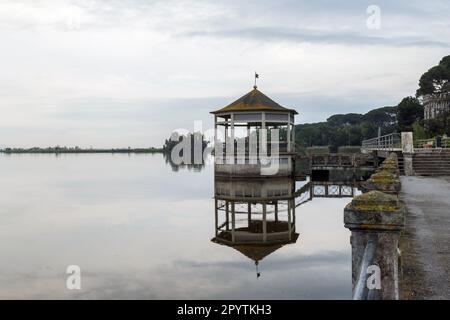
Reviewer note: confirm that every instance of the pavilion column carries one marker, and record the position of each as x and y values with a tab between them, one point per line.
215	128
263	135
293	132
293	212
233	221
226	130
232	139
276	210
264	221
227	216
289	217
253	145
249	212
247	153
216	141
216	218
289	135
225	152
292	158
263	120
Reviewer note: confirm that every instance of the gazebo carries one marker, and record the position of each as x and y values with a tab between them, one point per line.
244	136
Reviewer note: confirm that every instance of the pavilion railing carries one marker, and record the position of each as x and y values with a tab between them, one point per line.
271	148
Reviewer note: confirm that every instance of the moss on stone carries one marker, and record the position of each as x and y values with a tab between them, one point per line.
374	201
384	176
392	171
389	165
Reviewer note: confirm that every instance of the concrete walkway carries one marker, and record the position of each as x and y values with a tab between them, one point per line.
425	244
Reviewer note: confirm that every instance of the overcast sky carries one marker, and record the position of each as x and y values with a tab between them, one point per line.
127	72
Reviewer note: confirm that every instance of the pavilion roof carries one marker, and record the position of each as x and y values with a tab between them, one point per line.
255	100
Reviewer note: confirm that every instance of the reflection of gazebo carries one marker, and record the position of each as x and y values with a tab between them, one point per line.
255	217
243	122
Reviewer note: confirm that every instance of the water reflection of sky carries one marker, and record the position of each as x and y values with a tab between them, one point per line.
139	230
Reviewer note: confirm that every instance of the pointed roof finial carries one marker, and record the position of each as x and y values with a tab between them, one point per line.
256	77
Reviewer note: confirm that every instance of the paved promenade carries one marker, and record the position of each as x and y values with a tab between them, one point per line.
425	244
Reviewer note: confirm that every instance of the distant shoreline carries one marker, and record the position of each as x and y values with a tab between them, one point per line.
79	150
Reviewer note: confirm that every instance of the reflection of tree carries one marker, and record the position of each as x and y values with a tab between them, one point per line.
176	167
193	141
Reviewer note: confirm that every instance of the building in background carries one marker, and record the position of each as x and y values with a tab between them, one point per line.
436	103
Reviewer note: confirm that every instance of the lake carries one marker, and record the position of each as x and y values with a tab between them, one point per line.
138	229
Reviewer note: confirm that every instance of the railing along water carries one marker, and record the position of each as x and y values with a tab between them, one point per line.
389	142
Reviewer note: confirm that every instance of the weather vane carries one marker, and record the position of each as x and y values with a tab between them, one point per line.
256	77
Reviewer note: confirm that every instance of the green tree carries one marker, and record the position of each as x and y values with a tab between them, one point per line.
385	118
438	126
368	130
409	110
419	131
436	79
346	129
345	119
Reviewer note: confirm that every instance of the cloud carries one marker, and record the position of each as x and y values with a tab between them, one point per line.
314	36
286	262
127	72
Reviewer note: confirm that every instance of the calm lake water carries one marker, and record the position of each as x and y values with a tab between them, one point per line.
138	229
